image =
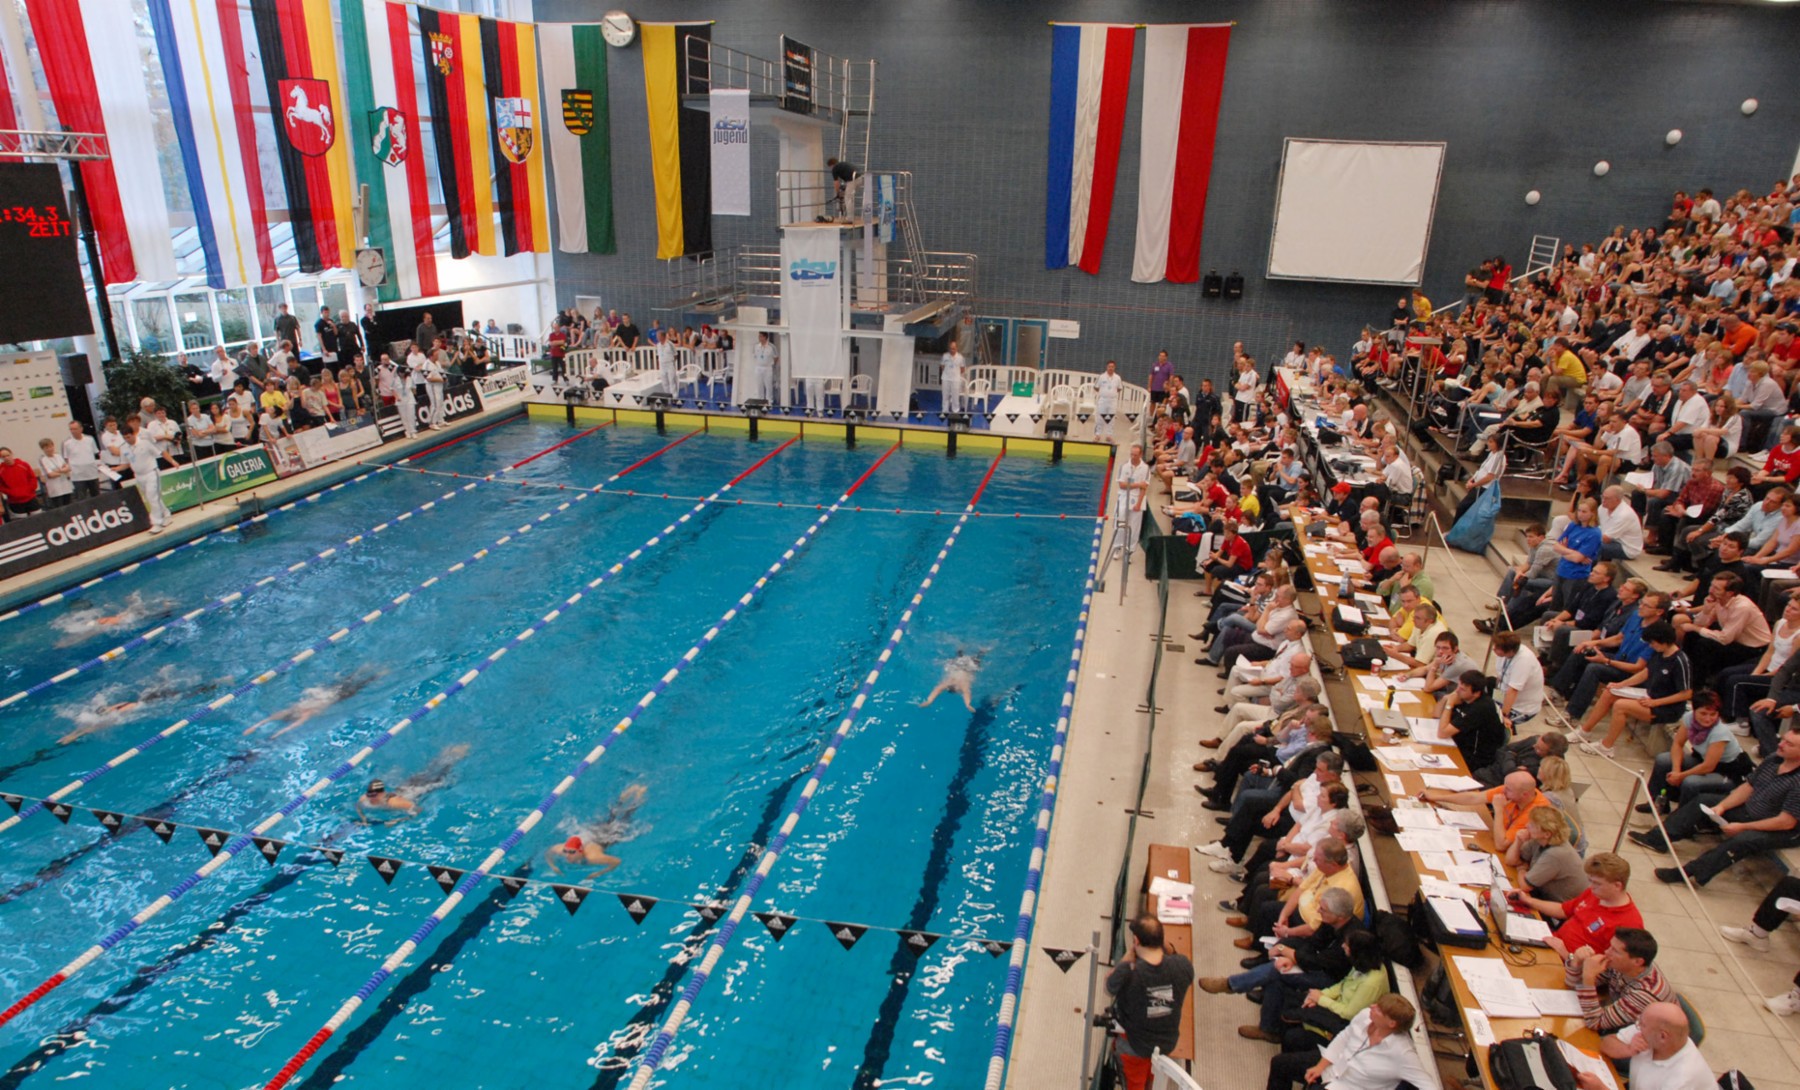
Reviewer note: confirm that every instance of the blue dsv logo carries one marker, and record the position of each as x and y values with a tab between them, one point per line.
812	270
731	131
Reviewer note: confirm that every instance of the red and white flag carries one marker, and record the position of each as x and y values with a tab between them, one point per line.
1184	76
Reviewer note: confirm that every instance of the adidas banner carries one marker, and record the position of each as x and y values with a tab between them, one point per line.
31	542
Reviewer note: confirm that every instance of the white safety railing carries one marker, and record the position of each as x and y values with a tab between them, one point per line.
511	347
616	364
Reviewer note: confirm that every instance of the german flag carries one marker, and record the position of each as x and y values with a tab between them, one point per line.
515	117
306	95
450	57
680	148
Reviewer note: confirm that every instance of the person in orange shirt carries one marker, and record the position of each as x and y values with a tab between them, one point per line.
1510	804
1739	336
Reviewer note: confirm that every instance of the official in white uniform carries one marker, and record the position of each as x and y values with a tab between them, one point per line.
407	401
762	372
950	380
665	362
142	452
434	390
1106	400
1133	483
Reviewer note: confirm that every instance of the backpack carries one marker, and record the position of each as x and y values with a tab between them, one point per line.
1535	1062
1396	938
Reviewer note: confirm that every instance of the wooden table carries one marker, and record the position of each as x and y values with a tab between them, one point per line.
1547	972
1171	861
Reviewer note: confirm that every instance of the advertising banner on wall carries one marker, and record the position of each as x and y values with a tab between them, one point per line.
460	399
730	152
212	478
812	302
49	536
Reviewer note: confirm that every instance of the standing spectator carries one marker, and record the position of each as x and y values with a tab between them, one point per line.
83	456
326	331
1149	987
556	346
18	484
1159	377
287	329
426	333
57	489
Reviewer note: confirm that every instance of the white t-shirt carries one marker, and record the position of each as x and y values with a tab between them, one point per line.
1621	524
1686	1070
1245	384
112	448
144	455
1135	474
57	485
1399	476
1602	381
1106	389
200	427
1626	441
163	433
83	456
1693	412
1524	673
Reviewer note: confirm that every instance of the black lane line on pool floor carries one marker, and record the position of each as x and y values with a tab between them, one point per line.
72	1034
54	869
905	963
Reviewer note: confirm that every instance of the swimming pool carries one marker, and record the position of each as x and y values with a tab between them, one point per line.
921	821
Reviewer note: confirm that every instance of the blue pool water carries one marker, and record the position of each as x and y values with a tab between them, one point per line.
924	820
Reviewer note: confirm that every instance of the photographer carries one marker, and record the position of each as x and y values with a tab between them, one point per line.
1149	987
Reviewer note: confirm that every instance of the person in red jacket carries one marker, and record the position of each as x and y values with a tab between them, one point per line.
18	483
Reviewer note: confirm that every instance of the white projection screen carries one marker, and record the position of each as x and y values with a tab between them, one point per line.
1354	212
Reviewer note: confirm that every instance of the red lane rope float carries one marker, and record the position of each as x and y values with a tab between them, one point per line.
460	438
556	447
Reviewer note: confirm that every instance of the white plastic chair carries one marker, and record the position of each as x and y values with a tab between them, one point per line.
862	386
691	375
1087	398
1061	401
976	393
834	387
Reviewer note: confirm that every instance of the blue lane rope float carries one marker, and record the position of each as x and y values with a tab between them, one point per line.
645	1067
150	635
1040	844
537	814
225	854
81	588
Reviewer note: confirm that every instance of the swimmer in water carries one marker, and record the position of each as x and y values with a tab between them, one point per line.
589	843
80	624
403	801
318	699
105	709
959	677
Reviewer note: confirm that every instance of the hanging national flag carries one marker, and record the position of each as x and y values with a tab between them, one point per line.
680	155
1090	78
1184	77
509	52
296	50
91	60
390	159
201	46
449	56
579	132
9	117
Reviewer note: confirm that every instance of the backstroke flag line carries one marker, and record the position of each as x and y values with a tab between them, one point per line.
1184	78
1090	80
578	128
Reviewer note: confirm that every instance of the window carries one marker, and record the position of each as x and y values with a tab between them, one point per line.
195	312
234	316
336	296
268	297
155	325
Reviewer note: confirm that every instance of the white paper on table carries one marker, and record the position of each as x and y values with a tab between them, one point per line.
1394	786
1451	783
1372	600
1389	666
1352	615
1316	550
1473	968
1416	817
1785	574
1376	703
1464	874
1410	684
1372	683
1354	567
1438	861
1641	479
1398	757
1169	887
1481	1031
1340	638
1464	819
1437	887
1428	840
1467	857
1425	731
1508	998
1521	928
1436	760
1453	913
1593	1065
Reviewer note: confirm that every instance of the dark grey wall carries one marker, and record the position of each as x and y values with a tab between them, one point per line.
1527	94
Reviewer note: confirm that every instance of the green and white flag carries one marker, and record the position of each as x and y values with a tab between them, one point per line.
580	132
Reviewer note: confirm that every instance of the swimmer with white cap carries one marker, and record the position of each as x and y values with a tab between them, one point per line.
403	801
318	699
589	843
959	678
78	625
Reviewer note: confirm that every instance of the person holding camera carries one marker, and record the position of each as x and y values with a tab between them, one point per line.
1149	987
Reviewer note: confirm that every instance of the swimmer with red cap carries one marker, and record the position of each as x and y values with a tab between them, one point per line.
589	842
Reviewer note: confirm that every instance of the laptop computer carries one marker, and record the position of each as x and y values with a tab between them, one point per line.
1512	925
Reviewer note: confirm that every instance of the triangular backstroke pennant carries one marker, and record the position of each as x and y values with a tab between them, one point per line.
778	924
61	811
1036	417
446	877
13	801
513	884
112	821
995	947
638	907
571	896
1083	417
709	910
162	829
846	933
269	847
1108	417
1012	418
1064	959
214	839
335	855
1131	418
918	941
387	868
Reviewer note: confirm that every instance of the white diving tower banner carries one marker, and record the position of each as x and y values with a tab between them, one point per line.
812	302
730	152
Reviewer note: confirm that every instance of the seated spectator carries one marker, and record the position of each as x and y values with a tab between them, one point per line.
1616	982
1743	684
1526	753
1259	642
1311	960
1471	719
1324	1012
1782	466
1447	665
1621	534
1554	871
1508	805
1252	663
1661	1055
1782	549
1231	556
1590	918
1416	649
1242	717
1691	546
1519	687
1727	629
1411	574
1762	814
1667	680
1585	610
1296	915
1149	987
1703	759
1374	1052
1703	491
1270	807
1304	726
1777	906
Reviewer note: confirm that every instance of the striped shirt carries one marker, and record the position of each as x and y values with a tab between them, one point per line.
1625	998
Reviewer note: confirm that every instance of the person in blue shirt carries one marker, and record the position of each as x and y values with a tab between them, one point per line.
1577	548
1608	636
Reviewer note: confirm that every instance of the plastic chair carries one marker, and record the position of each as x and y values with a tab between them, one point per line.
863	387
976	393
833	387
1696	1024
1087	398
690	374
1061	401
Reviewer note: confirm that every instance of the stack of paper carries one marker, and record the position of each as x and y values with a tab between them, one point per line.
1450	783
1500	994
1464	819
1593	1065
1437	887
1175	910
1397	757
1373	601
1429	840
1417	817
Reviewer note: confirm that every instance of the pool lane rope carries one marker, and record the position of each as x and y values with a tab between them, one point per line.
1040	844
298	802
645	1068
286	665
80	588
154	633
481	872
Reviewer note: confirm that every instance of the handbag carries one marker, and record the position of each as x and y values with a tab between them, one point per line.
1534	1062
1360	654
